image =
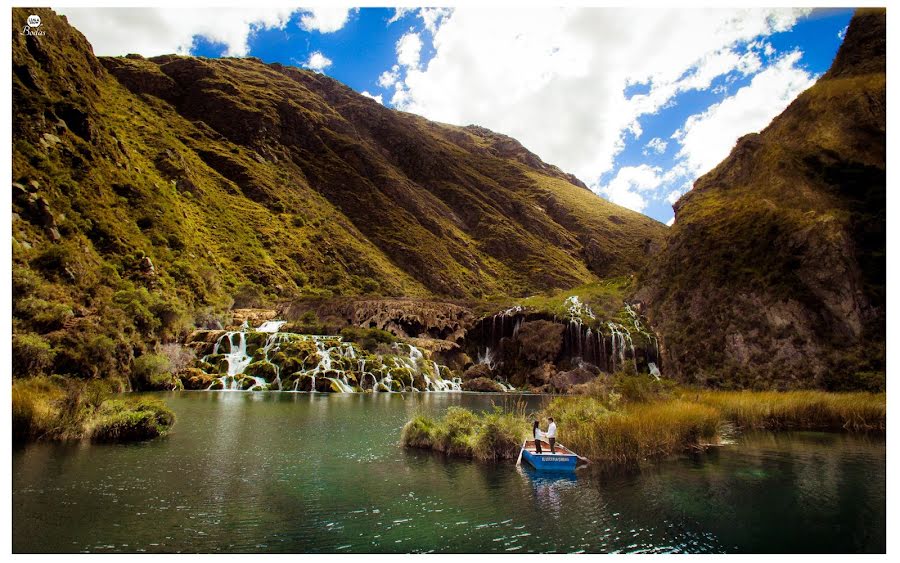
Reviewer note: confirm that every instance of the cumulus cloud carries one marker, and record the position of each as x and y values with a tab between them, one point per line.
625	189
160	31
707	138
555	78
377	98
409	47
399	13
655	145
317	62
431	17
324	19
389	77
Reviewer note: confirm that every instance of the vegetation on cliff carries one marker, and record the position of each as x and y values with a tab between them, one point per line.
773	275
152	195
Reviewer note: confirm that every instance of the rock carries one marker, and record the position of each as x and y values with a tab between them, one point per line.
432	320
541	375
540	341
563	382
253	317
194	379
478	371
264	370
482	384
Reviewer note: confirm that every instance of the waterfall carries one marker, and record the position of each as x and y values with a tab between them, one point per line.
335	361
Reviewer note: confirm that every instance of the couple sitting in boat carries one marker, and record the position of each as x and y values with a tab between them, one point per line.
550	435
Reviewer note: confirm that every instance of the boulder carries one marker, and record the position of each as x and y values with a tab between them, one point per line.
478	371
483	385
194	379
563	382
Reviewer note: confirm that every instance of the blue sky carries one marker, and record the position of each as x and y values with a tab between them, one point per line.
636	103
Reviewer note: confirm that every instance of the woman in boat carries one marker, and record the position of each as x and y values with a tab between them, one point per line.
536	430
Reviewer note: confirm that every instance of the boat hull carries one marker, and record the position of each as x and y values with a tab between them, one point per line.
551	462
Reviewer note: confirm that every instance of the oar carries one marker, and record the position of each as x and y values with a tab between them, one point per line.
582	458
519	461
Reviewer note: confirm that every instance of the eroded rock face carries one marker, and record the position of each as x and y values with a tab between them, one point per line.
408	318
253	317
773	274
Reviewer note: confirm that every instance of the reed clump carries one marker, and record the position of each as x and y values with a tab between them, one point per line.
634	432
489	436
800	410
55	408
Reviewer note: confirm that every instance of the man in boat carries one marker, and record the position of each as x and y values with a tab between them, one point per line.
536	430
551	435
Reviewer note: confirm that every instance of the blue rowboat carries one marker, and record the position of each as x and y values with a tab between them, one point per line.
562	459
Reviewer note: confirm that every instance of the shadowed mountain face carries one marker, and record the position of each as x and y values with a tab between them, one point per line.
774	272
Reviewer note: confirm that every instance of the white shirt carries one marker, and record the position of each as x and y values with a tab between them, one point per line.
551	430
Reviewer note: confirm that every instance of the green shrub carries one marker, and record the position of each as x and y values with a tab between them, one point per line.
43	315
488	437
31	355
152	372
249	296
121	420
367	338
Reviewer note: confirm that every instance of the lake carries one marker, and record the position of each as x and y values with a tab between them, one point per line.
288	472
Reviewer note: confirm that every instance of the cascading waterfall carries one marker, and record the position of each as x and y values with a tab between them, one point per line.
339	363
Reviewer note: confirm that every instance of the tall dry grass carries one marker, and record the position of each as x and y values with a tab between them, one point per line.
803	410
52	408
636	431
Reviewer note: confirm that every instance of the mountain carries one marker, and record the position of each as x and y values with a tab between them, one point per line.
773	274
151	195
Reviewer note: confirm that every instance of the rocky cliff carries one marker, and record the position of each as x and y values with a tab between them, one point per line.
774	272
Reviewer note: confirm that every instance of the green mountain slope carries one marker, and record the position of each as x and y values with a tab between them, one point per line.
152	194
774	272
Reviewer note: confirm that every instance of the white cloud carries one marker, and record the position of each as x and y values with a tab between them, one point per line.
160	31
408	49
625	189
389	77
432	17
399	13
670	222
317	62
842	33
555	78
377	98
708	137
656	145
324	19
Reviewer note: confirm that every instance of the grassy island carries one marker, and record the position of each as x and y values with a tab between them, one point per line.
54	408
623	420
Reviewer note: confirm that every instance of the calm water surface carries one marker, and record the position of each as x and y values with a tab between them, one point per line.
278	472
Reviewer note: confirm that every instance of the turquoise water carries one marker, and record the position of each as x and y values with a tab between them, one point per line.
277	472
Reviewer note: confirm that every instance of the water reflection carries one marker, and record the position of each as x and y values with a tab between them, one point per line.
279	472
